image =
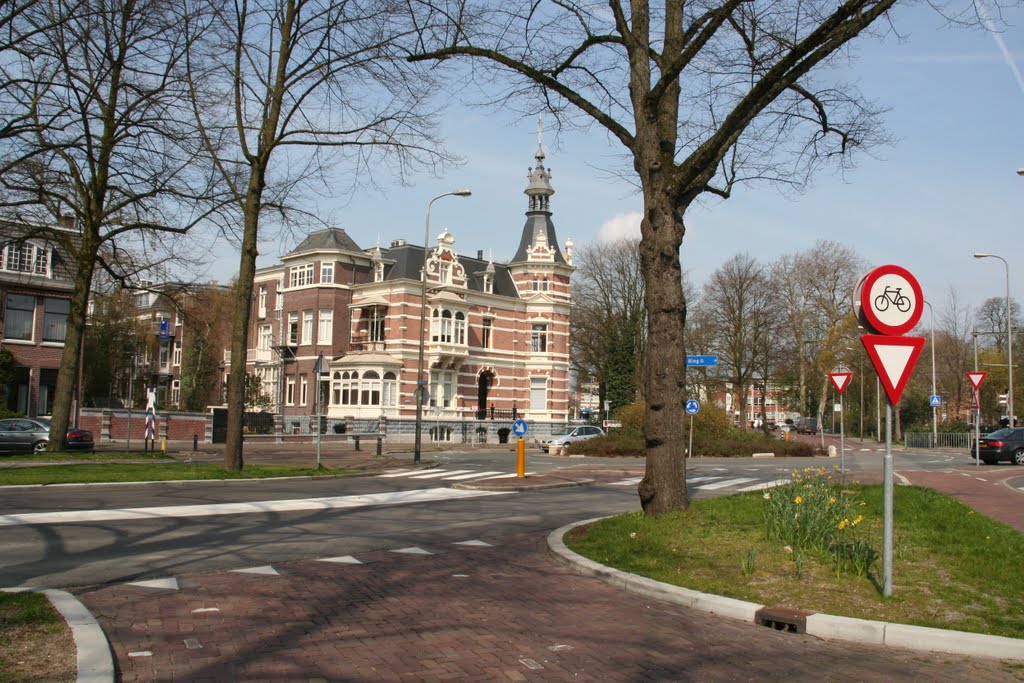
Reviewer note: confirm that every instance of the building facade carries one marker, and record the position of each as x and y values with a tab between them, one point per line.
35	289
336	328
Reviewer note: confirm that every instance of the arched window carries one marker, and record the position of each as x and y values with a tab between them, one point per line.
390	393
336	389
350	388
460	328
536	283
545	284
446	326
370	389
435	325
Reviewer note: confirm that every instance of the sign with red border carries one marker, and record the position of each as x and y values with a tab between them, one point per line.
840	380
889	300
894	359
976	378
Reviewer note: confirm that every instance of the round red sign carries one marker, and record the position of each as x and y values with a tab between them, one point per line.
890	300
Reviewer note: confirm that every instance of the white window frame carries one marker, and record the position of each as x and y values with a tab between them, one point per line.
539	338
265	337
487	333
538	393
303	390
176	356
301	276
307	328
289	391
261	306
326	272
293	328
325	326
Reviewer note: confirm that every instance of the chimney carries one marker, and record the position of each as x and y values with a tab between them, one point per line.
67	221
479	254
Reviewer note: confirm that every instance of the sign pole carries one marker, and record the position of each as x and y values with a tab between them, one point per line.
689	450
842	436
887	505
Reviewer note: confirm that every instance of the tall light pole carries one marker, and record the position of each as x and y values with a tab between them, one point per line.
1009	333
421	383
935	409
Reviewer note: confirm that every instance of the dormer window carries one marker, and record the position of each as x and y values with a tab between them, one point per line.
25	257
489	284
378	272
445	273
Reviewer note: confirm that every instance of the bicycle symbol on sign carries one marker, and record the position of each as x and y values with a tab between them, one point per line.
894	296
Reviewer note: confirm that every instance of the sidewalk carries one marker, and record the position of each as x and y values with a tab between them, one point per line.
494	609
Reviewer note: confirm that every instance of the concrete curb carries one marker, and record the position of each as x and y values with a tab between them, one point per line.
820	625
92	651
469	486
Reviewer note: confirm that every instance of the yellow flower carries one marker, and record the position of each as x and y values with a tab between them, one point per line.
862	503
787	549
843	524
767	496
860	518
832	500
798	500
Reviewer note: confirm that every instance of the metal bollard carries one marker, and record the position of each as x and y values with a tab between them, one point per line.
357	442
380	446
195	442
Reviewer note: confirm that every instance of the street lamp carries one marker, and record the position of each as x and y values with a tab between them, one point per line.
935	409
421	383
1009	333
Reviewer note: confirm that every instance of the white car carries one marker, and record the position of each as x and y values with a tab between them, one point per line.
568	435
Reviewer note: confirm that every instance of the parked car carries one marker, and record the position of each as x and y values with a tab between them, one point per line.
806	425
568	435
1002	444
24	435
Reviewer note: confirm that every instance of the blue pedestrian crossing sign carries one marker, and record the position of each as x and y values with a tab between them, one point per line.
519	428
692	406
935	401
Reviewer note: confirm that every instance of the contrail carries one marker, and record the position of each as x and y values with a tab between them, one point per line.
998	37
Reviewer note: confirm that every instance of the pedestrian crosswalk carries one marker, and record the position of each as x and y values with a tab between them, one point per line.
450	475
715	483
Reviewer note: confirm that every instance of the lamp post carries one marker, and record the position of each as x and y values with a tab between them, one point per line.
1009	334
935	409
421	383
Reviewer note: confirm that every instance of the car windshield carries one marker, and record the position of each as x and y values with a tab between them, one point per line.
564	431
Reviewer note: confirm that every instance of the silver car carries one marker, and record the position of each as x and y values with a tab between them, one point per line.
24	435
568	435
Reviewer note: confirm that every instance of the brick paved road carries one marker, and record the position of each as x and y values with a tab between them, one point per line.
503	613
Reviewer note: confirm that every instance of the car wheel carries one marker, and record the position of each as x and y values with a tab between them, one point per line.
1018	456
39	446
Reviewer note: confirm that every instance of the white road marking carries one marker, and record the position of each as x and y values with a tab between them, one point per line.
413	551
506	476
764	485
170	584
205	609
460	477
474	543
627	482
344	559
265	569
263	507
725	484
437	474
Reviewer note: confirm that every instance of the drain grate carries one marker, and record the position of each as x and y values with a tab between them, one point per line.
783	619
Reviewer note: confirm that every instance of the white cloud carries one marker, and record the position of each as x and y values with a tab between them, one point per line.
621	226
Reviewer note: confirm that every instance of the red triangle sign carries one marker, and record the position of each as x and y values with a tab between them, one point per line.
840	380
976	378
894	359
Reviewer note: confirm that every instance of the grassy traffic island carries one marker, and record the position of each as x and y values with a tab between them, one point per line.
815	544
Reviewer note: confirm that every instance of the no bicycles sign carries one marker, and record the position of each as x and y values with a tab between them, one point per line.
889	300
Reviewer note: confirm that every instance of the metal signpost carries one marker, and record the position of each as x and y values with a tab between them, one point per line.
692	408
318	370
519	428
976	378
889	302
841	380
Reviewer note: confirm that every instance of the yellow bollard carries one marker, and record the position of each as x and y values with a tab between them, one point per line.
163	446
521	458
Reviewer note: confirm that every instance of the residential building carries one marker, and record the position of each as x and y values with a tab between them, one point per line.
35	289
496	334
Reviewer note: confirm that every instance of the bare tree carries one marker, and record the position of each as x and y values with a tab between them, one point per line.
703	96
283	88
103	142
991	319
608	319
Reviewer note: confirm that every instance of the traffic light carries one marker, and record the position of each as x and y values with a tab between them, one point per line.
1001	398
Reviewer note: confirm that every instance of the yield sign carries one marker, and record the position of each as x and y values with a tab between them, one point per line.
894	359
976	378
840	380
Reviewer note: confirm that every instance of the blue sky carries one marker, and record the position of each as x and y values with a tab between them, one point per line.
947	188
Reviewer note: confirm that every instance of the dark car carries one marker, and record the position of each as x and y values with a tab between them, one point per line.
1002	444
23	435
807	425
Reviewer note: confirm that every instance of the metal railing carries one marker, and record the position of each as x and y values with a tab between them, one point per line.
957	440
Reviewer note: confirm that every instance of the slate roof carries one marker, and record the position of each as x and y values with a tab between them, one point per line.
408	260
331	239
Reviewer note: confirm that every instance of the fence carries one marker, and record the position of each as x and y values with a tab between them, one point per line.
956	440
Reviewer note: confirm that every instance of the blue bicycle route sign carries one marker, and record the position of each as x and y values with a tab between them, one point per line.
519	428
692	406
701	361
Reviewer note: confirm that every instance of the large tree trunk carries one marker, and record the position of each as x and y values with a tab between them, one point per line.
663	488
68	377
240	325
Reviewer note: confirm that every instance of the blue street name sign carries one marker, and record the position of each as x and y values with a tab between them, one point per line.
935	401
701	361
692	406
519	428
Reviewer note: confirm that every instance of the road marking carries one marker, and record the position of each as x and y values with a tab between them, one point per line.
438	474
169	584
460	477
260	507
265	569
506	476
344	559
724	484
413	551
764	485
627	482
474	543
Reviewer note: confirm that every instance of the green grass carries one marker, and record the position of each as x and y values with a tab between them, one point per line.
108	472
952	568
75	456
26	609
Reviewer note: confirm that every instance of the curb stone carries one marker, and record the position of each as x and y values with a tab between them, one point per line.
92	651
825	626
